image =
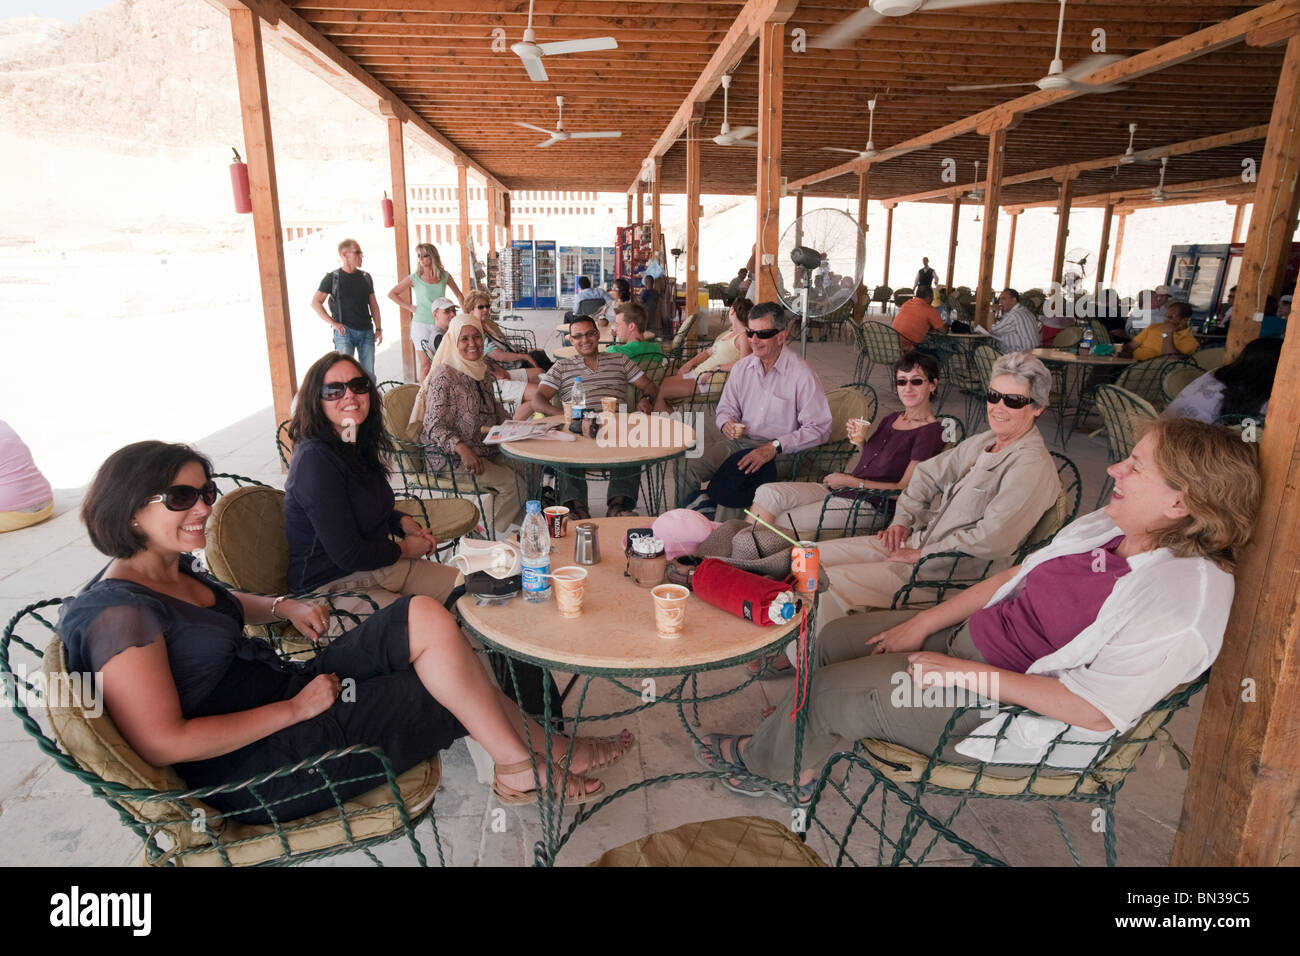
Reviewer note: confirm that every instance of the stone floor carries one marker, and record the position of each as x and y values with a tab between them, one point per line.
49	818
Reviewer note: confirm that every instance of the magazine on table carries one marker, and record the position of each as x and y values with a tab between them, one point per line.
521	431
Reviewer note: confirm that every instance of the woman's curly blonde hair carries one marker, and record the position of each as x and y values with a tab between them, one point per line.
1217	472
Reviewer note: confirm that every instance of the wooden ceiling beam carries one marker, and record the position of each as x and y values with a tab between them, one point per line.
740	37
304	45
1197	44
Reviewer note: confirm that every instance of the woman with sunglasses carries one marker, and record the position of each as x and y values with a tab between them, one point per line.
982	498
727	349
188	689
338	505
1124	605
459	404
900	442
427	285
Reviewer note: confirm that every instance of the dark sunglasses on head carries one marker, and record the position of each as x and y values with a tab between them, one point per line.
762	333
333	391
909	381
183	497
1012	401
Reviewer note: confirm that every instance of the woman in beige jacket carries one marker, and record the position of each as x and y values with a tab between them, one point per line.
982	498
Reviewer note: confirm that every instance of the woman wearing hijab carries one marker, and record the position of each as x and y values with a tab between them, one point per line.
459	404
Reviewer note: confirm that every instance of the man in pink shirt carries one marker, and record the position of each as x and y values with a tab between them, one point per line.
25	495
773	394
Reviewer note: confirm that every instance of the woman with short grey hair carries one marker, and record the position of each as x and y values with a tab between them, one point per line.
1028	371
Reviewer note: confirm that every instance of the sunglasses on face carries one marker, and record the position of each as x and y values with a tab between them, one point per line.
1011	401
183	497
915	382
762	333
583	335
333	391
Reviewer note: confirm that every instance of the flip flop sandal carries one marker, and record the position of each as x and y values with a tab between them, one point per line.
710	754
619	507
759	788
578	511
509	796
767	672
609	761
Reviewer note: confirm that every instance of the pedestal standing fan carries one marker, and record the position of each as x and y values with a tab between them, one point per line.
819	265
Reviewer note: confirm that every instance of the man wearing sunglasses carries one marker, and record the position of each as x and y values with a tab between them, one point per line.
604	375
351	294
773	394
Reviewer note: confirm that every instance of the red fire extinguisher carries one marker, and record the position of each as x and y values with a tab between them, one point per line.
239	184
386	209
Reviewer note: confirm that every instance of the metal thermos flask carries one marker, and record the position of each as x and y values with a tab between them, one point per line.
586	545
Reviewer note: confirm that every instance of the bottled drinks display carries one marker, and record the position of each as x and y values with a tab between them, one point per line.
535	554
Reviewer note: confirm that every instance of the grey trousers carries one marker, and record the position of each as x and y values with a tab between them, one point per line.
624	482
856	694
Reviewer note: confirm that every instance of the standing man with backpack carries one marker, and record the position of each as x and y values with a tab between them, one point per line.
351	294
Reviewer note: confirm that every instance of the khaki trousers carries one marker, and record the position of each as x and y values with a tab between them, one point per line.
386	585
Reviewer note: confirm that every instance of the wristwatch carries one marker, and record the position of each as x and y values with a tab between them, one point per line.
776	443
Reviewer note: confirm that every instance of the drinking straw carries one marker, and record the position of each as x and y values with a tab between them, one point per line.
770	528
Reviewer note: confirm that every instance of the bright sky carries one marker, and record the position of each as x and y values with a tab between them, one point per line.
66	10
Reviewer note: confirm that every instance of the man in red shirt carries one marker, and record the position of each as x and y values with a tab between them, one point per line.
915	318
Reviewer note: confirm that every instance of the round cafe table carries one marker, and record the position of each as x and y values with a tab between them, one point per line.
616	639
1071	369
631	439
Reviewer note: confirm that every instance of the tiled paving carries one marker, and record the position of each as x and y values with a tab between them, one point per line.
47	817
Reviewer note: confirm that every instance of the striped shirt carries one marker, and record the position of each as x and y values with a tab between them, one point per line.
1018	330
613	374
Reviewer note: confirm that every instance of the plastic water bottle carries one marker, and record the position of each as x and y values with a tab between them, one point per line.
578	398
1085	346
535	551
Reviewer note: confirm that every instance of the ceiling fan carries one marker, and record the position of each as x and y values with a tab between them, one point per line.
1159	194
531	52
1131	158
728	136
1058	77
871	152
977	193
853	26
560	134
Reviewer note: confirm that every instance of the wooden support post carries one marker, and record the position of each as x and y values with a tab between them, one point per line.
462	181
658	228
952	243
640	203
1011	247
889	240
1062	229
771	72
1119	248
862	297
401	238
629	209
1099	274
259	149
989	235
493	197
694	129
1239	807
1277	202
505	219
1237	216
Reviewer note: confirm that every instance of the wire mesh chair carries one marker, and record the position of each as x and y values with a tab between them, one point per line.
283	443
1121	411
884	295
175	825
976	385
1209	359
1144	379
957	570
1068	338
846	816
1069	772
1177	378
880	344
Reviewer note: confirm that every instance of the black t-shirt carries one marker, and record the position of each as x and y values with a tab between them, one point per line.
925	279
355	289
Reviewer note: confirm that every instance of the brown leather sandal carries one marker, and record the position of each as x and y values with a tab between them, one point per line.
574	786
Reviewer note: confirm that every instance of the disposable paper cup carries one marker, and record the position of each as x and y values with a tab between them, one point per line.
737	430
570	584
568	412
670	609
857	429
609	405
557	520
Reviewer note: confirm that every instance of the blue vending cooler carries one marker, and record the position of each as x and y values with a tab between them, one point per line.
527	298
546	289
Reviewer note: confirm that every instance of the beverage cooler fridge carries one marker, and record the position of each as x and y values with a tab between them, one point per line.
546	287
522	250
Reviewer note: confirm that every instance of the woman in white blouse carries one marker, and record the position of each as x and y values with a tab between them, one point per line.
1124	605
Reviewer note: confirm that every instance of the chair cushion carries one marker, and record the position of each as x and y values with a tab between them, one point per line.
398	403
448	518
735	841
375	815
247	547
845	403
886	757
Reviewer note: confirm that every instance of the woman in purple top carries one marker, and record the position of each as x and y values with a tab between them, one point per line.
1121	607
888	458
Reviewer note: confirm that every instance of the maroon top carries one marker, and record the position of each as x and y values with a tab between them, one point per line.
889	451
1059	599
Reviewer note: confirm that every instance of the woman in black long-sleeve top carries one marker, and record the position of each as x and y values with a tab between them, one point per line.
339	510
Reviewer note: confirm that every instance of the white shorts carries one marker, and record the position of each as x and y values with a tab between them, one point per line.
422	332
511	390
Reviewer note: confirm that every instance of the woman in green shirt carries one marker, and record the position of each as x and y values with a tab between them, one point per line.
427	284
